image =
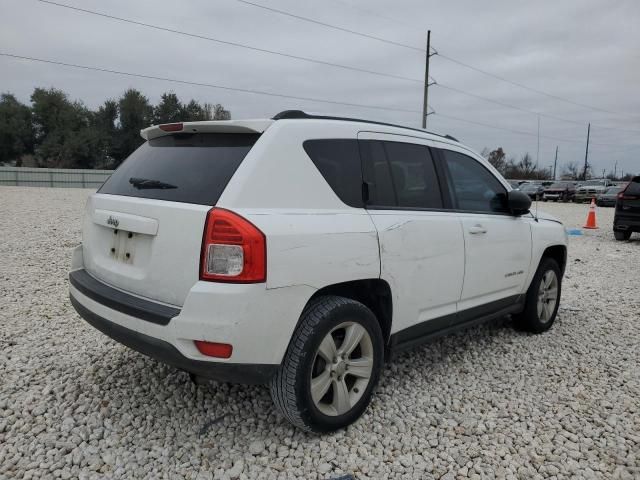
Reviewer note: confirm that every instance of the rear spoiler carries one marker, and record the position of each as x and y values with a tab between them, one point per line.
213	126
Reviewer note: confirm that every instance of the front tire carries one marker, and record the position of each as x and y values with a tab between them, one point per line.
331	367
542	299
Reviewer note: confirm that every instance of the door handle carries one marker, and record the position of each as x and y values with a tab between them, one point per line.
477	229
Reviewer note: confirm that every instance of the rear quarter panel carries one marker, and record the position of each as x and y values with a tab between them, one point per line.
313	238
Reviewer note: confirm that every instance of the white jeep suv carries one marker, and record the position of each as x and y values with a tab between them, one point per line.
305	251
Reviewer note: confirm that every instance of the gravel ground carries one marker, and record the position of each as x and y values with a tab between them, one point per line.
490	402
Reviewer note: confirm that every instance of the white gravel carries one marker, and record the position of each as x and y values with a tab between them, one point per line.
487	403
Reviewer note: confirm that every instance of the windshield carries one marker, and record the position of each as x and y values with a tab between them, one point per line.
189	168
613	189
558	185
593	183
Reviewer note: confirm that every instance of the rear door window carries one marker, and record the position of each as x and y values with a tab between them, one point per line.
400	174
338	160
188	168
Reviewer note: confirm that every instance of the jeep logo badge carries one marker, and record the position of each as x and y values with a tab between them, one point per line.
113	221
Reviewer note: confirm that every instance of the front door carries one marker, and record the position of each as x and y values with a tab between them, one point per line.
497	244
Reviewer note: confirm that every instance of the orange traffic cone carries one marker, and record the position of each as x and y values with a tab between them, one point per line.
591	216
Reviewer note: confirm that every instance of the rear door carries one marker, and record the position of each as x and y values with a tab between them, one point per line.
421	245
497	244
142	231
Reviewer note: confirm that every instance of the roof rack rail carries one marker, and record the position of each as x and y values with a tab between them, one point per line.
299	114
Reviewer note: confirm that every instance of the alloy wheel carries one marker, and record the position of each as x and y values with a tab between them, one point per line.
342	369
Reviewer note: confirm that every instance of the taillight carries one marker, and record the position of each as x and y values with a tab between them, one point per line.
233	249
171	127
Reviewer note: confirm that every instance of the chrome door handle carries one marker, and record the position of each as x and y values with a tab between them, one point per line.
477	229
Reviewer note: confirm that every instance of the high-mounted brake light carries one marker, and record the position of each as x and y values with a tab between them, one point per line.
171	127
233	249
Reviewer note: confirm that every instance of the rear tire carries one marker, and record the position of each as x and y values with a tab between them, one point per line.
622	236
542	298
331	367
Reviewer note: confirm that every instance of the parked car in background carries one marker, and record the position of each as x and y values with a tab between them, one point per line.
560	191
514	184
627	215
609	197
369	239
592	188
534	190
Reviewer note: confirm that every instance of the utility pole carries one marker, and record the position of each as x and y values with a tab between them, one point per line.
586	154
425	105
538	147
555	164
615	171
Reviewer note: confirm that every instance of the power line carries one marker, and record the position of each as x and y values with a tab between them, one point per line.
329	25
484	72
271	94
311	60
226	42
520	132
533	112
209	85
540	92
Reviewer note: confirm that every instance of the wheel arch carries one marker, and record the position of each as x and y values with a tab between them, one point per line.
557	253
374	293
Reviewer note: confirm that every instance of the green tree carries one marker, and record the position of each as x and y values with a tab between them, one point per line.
16	130
135	114
194	112
169	110
64	135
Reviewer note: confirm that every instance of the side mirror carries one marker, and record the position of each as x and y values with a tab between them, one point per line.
518	202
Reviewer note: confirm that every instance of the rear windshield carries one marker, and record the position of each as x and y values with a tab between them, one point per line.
634	187
189	168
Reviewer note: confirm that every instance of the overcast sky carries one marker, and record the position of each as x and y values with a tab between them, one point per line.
586	51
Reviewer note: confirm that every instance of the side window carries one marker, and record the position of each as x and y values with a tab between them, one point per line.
399	174
474	188
338	160
414	176
375	171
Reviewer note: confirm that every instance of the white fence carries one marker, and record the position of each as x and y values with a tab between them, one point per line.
53	177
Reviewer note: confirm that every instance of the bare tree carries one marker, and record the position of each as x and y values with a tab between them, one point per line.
571	170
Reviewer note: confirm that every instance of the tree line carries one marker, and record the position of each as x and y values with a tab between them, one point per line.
56	132
526	169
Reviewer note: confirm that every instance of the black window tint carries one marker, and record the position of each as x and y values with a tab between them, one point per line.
473	186
189	168
634	187
413	174
376	174
339	163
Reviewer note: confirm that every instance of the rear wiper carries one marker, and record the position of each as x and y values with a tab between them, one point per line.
149	183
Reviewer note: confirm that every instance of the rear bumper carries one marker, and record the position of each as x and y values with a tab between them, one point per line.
165	352
626	223
258	323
